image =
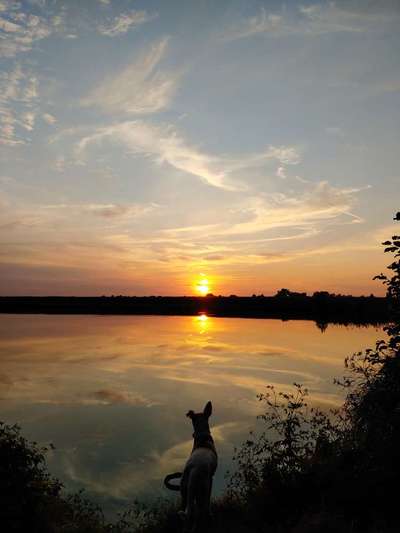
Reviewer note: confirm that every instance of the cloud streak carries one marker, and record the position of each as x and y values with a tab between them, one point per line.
19	30
107	211
319	201
19	97
123	23
141	88
311	20
164	144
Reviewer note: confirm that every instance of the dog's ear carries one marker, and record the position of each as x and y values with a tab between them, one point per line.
190	414
208	409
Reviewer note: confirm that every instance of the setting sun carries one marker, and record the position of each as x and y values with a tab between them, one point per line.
203	287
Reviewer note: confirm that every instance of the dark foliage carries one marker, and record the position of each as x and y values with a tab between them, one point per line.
33	501
30	499
310	471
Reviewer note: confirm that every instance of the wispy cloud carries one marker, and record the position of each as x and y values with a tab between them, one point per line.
104	210
141	88
165	144
263	22
257	230
49	118
18	104
311	20
289	155
267	220
318	202
19	30
124	22
280	172
334	17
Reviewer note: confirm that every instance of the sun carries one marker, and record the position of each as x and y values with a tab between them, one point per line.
203	287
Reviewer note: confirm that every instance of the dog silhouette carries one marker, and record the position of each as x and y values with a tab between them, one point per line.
197	476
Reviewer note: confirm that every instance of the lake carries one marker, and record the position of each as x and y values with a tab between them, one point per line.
111	392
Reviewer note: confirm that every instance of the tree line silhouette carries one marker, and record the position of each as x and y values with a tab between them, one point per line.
322	306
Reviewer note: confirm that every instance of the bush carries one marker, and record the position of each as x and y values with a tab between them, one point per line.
31	499
311	471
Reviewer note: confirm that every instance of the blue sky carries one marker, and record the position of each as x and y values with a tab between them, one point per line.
145	146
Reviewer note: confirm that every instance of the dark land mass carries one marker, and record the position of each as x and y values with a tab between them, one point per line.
321	307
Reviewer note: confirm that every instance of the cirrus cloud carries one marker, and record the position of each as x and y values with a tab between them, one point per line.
124	22
311	20
140	88
19	95
164	144
19	30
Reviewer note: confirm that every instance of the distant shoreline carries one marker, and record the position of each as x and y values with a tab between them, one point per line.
321	307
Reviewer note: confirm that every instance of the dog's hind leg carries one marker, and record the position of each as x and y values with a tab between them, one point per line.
190	510
208	510
184	487
202	503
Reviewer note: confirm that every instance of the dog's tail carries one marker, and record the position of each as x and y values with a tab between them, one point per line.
168	478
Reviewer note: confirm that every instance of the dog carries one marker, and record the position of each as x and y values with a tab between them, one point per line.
197	476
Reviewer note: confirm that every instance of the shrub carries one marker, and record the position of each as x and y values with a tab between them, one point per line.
331	471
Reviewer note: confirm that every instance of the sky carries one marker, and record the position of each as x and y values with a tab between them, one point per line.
165	147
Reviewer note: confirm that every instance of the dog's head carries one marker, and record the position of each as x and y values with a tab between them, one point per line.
200	420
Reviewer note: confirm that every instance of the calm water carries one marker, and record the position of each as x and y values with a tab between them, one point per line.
111	392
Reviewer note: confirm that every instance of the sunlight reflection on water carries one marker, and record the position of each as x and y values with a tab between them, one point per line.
111	392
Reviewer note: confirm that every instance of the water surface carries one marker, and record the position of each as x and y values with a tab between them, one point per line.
111	392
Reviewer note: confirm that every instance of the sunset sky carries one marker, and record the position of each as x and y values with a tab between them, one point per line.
148	146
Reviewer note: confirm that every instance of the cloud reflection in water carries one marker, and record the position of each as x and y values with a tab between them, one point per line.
111	392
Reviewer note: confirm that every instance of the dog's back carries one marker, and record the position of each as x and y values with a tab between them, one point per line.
203	460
